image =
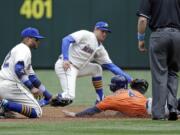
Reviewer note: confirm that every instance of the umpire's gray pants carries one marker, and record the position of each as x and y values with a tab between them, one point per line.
164	63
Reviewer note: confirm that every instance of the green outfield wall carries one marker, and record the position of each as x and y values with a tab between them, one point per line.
57	18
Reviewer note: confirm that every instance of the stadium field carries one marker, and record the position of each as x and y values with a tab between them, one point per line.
54	122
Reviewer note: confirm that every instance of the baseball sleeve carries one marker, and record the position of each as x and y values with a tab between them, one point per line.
24	56
88	112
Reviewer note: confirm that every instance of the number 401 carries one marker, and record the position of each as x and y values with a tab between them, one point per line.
36	9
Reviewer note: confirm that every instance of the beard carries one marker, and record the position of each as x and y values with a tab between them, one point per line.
34	46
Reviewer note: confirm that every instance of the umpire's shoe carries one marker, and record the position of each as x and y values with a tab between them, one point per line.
173	115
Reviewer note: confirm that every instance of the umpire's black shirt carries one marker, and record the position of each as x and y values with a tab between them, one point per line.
161	13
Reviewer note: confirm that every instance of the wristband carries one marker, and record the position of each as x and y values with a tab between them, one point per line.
140	36
25	80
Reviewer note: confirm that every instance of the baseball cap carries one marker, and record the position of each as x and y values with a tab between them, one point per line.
103	26
31	32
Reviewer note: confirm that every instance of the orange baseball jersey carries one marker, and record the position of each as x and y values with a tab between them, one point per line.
129	102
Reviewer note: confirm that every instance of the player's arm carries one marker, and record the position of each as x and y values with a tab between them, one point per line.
46	94
117	71
144	13
66	42
31	81
19	70
142	23
88	112
105	104
21	74
75	37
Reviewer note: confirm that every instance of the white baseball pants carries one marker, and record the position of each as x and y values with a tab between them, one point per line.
68	78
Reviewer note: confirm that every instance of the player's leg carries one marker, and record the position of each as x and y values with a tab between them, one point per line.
95	71
172	94
68	83
173	67
159	71
18	99
19	108
178	105
149	107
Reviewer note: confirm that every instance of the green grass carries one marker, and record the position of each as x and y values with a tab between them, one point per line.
85	95
92	127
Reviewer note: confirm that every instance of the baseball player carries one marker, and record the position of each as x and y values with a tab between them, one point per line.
130	102
18	82
79	49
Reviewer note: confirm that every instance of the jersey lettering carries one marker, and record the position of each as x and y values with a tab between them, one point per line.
88	49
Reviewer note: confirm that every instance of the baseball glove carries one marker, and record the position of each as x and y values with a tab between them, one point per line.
140	85
59	101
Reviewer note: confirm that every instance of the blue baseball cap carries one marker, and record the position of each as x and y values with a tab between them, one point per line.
31	32
103	26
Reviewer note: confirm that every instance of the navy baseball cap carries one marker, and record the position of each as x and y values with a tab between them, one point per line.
103	26
31	32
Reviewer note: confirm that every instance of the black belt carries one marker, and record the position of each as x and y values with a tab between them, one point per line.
168	29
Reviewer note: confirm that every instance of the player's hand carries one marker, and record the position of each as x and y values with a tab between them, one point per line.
36	92
141	46
66	65
69	114
44	102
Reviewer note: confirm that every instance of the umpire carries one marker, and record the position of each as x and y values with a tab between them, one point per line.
163	17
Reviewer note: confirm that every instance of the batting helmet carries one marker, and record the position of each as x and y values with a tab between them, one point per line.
118	82
140	85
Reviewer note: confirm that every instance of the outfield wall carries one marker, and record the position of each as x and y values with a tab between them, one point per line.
57	18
